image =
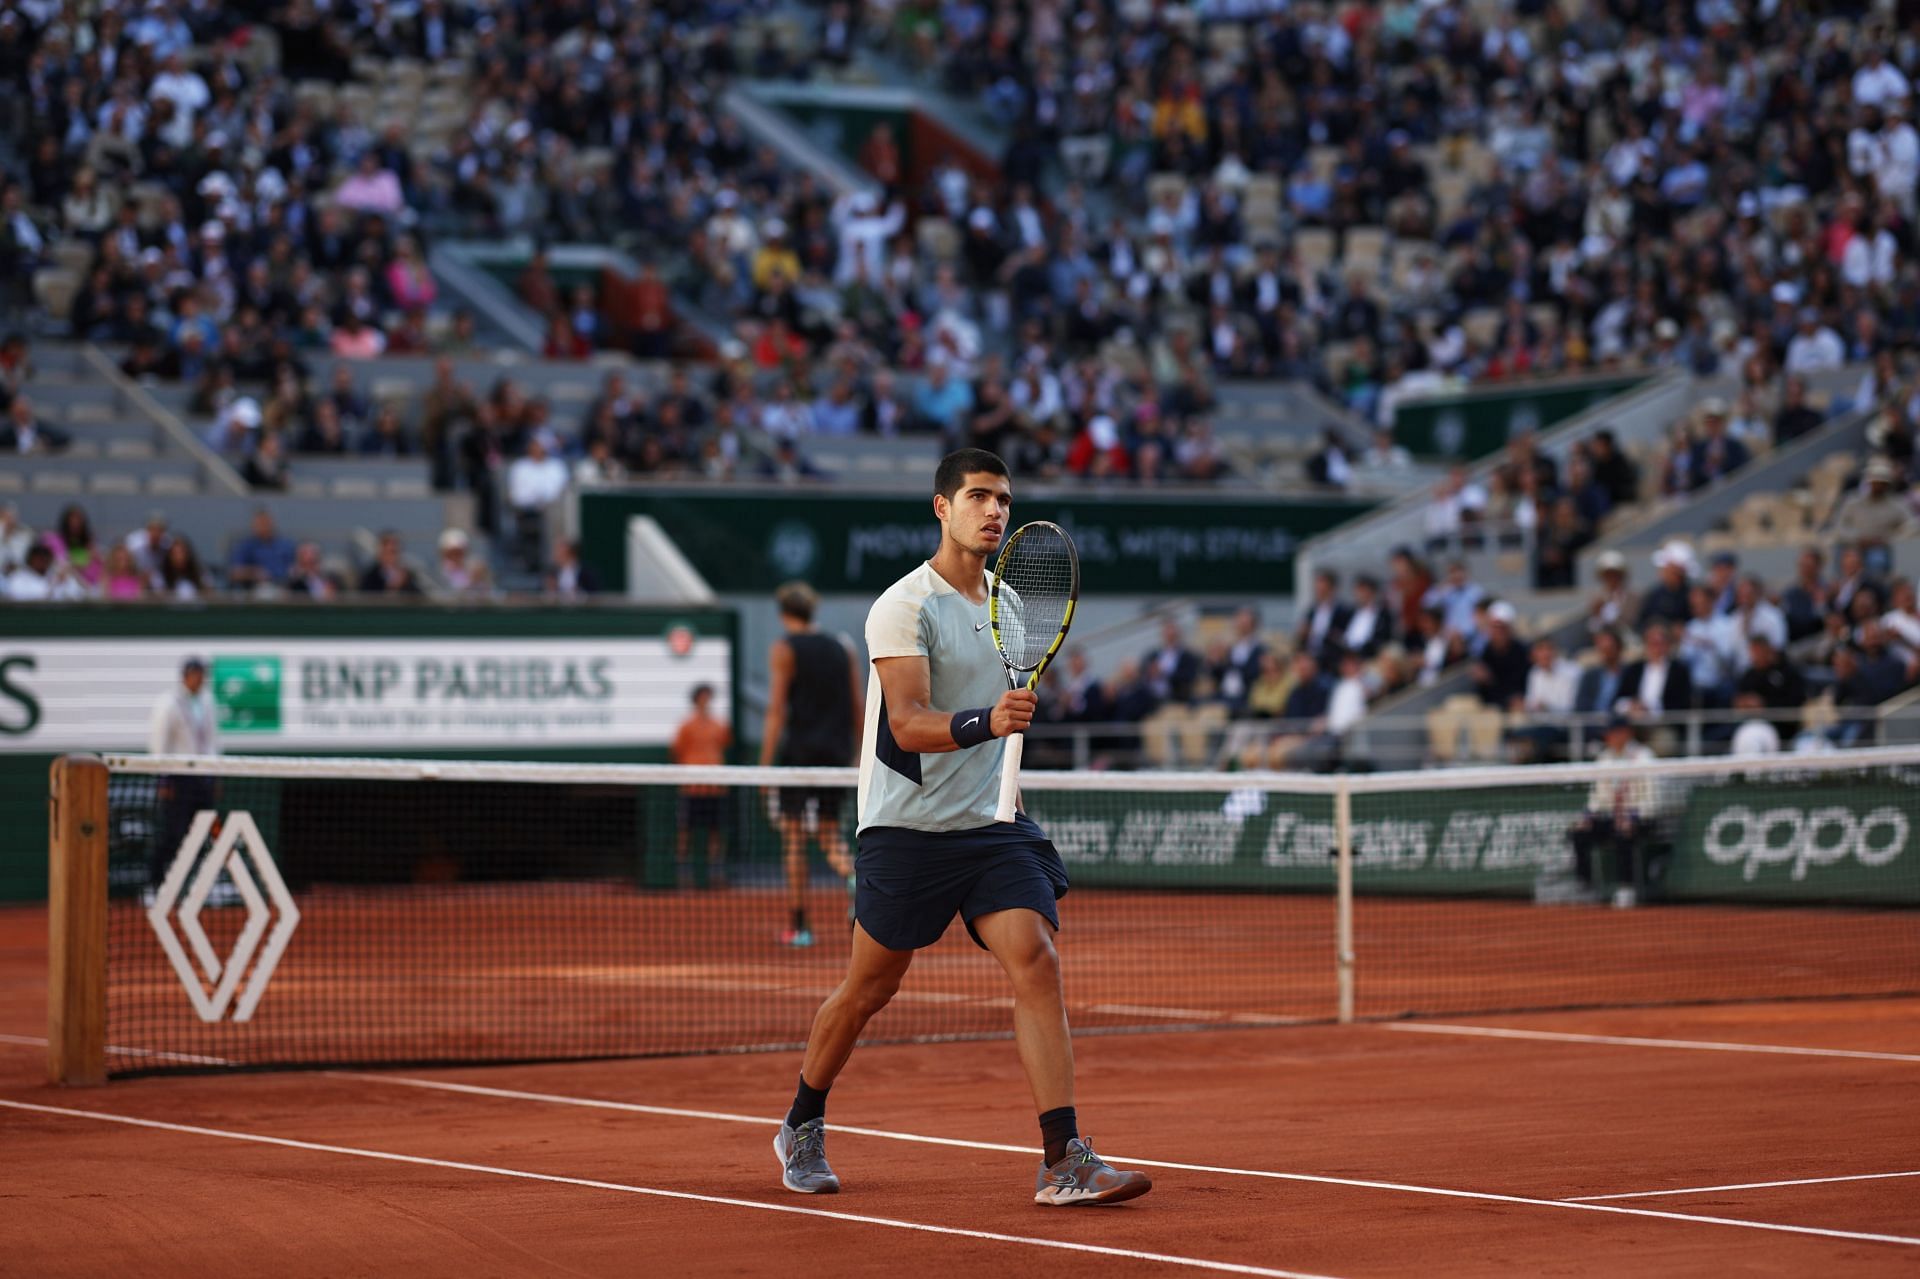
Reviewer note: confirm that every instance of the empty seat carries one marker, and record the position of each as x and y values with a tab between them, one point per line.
1314	246
56	482
1366	248
392	388
118	482
570	392
91	412
130	450
172	485
351	487
408	489
12	482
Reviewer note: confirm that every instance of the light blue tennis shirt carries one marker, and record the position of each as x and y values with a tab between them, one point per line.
922	615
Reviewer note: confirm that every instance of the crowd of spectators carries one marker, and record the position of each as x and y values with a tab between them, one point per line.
156	562
1603	184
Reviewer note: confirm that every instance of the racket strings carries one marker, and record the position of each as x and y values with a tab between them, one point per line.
1036	585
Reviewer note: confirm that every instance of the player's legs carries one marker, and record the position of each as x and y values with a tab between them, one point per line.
716	858
793	843
682	867
1022	942
873	975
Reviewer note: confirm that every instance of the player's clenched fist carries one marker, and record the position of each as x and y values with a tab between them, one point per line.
1014	711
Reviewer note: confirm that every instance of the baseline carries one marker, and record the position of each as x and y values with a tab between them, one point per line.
560	1099
1638	1041
1130	1254
1746	1185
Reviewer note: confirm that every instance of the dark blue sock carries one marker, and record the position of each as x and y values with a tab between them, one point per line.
808	1103
1057	1128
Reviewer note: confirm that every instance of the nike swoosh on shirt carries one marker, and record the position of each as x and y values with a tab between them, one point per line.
978	627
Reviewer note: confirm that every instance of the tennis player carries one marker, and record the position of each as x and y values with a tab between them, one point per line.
812	705
929	847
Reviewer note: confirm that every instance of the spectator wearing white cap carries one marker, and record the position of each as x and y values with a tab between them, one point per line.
1667	601
1500	672
1615	603
459	570
1876	511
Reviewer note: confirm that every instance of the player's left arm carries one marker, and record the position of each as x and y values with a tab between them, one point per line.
780	672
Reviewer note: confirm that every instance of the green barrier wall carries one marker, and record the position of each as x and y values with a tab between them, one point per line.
1465	427
854	542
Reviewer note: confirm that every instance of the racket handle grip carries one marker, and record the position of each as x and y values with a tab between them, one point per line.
1010	776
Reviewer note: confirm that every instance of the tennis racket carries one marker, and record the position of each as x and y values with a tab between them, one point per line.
1035	587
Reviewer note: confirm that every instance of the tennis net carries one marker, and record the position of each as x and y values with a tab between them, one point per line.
275	912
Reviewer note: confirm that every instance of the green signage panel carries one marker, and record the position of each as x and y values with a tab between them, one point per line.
861	543
1827	840
1480	422
1480	842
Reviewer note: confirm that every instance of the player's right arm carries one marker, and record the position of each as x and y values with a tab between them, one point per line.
924	729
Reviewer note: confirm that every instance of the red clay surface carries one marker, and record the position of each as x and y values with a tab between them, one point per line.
1538	1120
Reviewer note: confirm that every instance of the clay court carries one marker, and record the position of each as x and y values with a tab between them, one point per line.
1754	1138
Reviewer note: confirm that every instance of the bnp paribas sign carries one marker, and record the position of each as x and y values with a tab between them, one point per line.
364	694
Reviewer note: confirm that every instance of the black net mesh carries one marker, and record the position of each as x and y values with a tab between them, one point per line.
495	920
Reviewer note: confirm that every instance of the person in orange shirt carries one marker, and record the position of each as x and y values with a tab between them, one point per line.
702	739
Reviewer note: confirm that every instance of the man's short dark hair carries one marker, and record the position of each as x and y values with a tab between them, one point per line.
700	691
956	466
797	600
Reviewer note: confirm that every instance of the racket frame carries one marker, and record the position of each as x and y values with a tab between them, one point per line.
1015	743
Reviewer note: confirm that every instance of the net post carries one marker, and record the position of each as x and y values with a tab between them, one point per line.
1343	896
77	921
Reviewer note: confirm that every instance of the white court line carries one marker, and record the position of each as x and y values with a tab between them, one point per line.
1745	1185
1635	1041
28	1041
1196	1263
513	1094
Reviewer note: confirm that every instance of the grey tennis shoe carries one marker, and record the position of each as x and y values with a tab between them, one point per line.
803	1159
1082	1177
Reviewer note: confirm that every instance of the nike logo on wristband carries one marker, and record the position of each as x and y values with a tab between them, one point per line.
970	723
978	627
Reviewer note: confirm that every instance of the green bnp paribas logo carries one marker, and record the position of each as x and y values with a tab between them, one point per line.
246	691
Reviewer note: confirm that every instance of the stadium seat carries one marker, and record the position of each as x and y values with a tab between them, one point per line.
171	486
1315	247
12	482
55	287
56	482
114	482
938	238
93	414
130	450
1365	248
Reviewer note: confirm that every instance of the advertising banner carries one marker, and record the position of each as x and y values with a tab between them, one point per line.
363	694
1831	840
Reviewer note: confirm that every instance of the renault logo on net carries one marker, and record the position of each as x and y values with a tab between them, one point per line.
211	983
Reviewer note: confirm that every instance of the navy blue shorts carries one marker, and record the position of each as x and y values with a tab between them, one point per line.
911	883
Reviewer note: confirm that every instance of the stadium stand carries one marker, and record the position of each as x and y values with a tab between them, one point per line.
1211	245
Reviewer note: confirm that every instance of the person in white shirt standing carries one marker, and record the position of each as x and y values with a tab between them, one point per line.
183	723
534	483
